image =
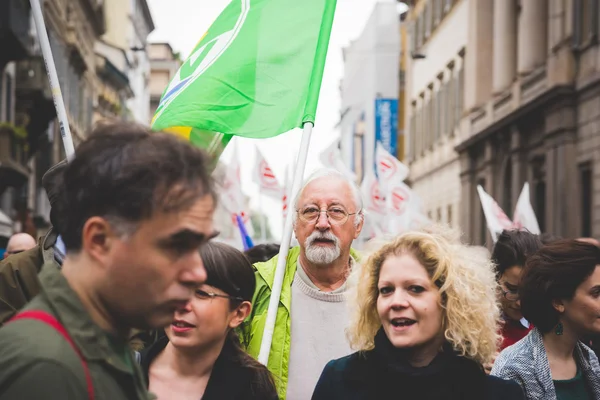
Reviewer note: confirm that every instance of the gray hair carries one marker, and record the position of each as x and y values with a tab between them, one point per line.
333	173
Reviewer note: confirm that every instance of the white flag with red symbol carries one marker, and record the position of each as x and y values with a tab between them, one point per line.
331	157
496	218
524	216
390	170
374	200
265	178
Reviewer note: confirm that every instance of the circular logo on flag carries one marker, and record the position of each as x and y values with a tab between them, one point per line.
267	177
377	200
387	167
399	200
207	52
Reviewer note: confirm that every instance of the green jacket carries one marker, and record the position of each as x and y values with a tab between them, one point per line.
19	281
280	347
36	362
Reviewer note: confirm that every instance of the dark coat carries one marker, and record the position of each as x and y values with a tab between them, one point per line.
228	381
356	377
19	282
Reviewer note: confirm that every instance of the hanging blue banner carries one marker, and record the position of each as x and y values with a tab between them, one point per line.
386	124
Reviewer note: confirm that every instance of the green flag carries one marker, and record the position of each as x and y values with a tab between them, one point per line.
255	73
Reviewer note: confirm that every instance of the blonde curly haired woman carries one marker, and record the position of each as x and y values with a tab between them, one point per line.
425	323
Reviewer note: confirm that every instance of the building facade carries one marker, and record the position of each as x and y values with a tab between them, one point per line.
435	62
532	113
370	79
128	24
164	64
29	136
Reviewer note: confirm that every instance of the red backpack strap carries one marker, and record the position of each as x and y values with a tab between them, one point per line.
49	320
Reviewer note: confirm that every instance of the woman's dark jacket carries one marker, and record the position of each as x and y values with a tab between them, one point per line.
228	380
384	373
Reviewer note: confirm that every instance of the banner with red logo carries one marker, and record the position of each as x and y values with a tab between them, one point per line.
265	178
390	170
331	157
495	217
524	216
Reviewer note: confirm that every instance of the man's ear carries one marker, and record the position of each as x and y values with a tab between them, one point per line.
240	314
359	227
97	238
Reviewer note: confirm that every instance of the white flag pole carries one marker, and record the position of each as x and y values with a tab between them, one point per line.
61	112
265	346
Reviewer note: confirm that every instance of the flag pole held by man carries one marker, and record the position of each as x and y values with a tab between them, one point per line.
256	73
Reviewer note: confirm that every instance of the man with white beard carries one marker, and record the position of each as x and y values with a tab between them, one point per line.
312	314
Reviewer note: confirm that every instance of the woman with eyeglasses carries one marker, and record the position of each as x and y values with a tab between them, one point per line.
560	295
201	356
509	256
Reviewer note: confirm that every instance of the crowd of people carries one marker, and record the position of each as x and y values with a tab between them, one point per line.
128	297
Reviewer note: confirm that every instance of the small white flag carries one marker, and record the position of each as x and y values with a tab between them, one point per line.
390	170
524	217
496	218
265	178
331	157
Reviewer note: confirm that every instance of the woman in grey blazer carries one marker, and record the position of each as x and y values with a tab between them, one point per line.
560	296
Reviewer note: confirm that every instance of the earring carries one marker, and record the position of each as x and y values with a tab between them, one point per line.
559	329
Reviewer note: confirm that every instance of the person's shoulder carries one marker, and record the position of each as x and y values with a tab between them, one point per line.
340	365
31	258
29	341
498	388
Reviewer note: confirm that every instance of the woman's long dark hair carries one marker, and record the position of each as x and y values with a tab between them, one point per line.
230	270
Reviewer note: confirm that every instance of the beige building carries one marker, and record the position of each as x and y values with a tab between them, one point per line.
435	62
532	113
164	64
527	111
128	24
30	139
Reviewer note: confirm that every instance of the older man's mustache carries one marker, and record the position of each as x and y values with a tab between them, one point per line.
322	237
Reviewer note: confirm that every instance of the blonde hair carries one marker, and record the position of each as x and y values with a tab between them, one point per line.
467	286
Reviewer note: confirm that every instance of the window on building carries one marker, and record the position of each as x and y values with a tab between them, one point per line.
585	173
428	20
585	21
439	214
449	215
439	106
413	131
540	203
438	11
460	88
451	102
420	28
507	192
447	5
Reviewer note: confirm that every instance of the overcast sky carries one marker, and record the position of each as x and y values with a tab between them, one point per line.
182	22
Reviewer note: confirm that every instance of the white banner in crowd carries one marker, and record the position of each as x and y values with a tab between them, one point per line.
331	157
524	216
265	178
496	218
390	170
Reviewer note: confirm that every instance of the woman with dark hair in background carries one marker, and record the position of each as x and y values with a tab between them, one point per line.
262	252
509	256
201	356
560	295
